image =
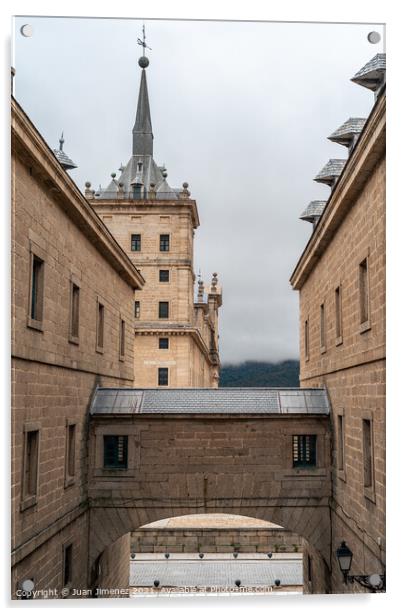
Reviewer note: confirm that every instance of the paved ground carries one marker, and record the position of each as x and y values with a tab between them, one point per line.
222	570
209	520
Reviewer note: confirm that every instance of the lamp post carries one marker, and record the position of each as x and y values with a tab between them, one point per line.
375	582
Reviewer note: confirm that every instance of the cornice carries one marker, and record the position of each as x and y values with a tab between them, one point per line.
30	146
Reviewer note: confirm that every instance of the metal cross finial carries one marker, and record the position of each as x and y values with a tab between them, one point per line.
61	141
143	41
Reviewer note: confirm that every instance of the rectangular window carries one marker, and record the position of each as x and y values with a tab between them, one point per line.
122	339
309	569
367	453
163	310
163	275
100	326
306	339
115	450
37	288
340	442
70	451
164	243
67	564
163	376
304	450
322	327
163	343
137	307
30	487
363	289
74	312
136	242
338	314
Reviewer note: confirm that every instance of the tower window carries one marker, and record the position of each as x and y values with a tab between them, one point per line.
304	450
136	242
163	343
163	310
163	376
115	450
164	243
164	275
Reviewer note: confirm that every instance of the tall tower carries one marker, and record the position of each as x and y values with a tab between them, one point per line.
176	334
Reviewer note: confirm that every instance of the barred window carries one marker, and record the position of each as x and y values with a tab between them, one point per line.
164	243
163	343
163	376
163	310
115	449
163	275
304	450
137	309
136	242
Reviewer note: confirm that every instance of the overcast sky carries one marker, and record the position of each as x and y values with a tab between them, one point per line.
241	111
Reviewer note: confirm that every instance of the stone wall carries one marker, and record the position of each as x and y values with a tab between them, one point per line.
53	373
215	540
352	365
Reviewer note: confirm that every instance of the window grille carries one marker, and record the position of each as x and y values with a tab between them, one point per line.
304	450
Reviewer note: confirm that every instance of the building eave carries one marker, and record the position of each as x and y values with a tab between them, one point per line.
368	150
33	149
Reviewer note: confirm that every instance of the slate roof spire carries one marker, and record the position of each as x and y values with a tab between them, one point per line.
142	130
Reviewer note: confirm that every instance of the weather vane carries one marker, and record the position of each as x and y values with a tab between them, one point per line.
143	42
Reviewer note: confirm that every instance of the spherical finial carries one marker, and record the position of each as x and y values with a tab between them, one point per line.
152	185
143	62
87	184
113	175
185	185
164	173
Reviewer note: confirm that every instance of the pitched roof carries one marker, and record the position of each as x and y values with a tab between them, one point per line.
372	74
238	401
331	171
313	211
346	133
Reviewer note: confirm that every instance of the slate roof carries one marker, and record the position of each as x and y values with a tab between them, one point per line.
372	74
62	157
313	211
331	171
346	133
242	401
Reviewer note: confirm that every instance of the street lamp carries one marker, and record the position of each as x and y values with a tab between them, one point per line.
375	582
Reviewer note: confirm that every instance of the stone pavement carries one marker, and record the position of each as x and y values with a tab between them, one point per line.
188	570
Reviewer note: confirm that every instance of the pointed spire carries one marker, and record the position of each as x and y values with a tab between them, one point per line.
142	131
61	141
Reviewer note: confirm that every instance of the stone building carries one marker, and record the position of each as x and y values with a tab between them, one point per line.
72	329
341	281
176	335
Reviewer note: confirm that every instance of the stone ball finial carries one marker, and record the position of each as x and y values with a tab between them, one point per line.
164	173
143	62
151	185
121	184
185	185
87	184
113	175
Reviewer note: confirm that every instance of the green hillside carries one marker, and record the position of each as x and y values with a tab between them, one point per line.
260	374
